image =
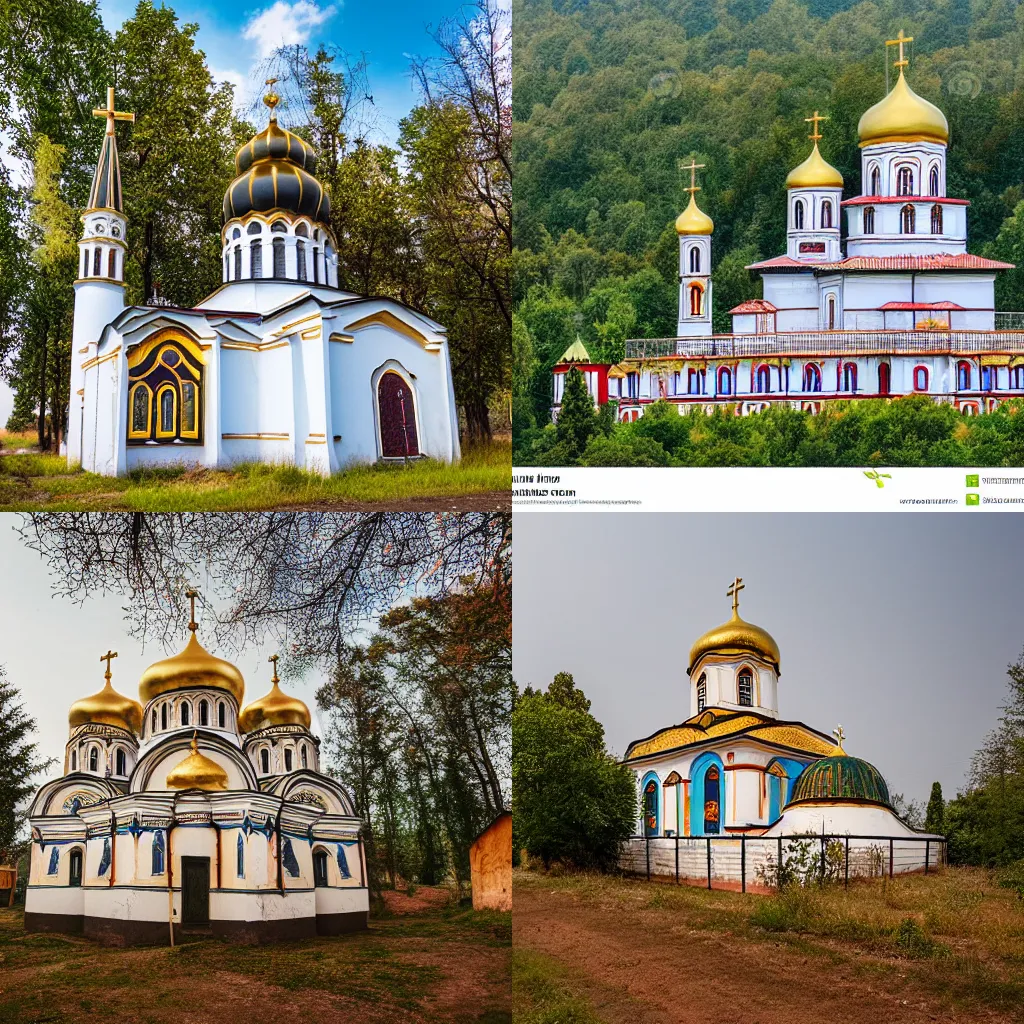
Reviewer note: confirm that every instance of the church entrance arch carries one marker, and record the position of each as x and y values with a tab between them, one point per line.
165	390
707	795
396	411
652	815
75	867
195	890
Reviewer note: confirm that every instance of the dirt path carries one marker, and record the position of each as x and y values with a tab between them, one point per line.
632	970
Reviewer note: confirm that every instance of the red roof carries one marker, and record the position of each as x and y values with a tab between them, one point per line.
755	306
875	200
889	306
937	261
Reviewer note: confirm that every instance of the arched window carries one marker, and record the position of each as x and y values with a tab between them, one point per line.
300	257
798	214
316	265
763	380
812	378
933	181
876	181
112	264
963	376
869	220
1017	377
288	760
121	763
256	259
238	262
221	716
254	228
695	259
165	393
695	381
987	378
237	233
302	753
702	692
696	300
302	231
204	713
85	263
907	220
240	854
265	761
75	867
279	270
74	761
94	759
141	404
320	868
163	716
883	378
920	378
745	688
153	728
831	312
849	376
905	181
724	380
157	866
185	709
936	219
712	801
651	808
826	214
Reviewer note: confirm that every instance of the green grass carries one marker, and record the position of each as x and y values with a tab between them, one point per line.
11	439
29	482
541	992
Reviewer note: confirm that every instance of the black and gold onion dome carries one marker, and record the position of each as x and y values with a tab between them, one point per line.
274	171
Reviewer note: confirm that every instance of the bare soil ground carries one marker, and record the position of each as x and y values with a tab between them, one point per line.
635	953
434	963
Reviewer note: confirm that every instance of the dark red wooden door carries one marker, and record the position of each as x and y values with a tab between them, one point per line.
397	417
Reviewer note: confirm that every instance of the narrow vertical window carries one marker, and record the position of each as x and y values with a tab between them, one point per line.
305	763
831	312
279	257
74	761
94	760
204	713
798	215
702	692
746	689
695	260
265	761
300	256
241	856
933	182
288	760
936	219
869	220
157	867
163	716
185	714
876	181
905	182
220	714
121	765
238	262
97	255
826	214
316	265
112	264
907	220
256	259
85	263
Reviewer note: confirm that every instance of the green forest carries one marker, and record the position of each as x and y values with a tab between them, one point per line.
609	96
427	222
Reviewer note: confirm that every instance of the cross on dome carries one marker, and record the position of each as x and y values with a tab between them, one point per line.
273	658
840	735
107	658
815	118
192	595
734	592
899	41
693	167
272	99
111	114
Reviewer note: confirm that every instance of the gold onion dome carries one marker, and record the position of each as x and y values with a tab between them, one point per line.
274	708
814	172
108	707
274	171
693	220
737	636
903	116
197	772
194	667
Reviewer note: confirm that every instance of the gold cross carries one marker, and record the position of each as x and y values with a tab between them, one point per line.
693	167
273	658
111	114
840	735
192	595
899	41
815	119
734	592
107	658
271	99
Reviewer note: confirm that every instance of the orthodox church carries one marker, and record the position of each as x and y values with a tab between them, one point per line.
277	365
187	811
735	768
905	309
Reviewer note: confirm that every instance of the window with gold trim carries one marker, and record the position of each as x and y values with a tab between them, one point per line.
165	392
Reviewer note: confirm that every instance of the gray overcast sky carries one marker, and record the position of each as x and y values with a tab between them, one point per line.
898	626
51	647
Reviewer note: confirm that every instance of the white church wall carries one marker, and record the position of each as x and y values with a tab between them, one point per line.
262	906
129	904
341	901
54	899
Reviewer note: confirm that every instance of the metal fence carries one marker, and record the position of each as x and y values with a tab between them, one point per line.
823	343
757	859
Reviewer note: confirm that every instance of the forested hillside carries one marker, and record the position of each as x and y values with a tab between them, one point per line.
610	95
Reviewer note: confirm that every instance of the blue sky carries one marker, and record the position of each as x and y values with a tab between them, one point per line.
236	36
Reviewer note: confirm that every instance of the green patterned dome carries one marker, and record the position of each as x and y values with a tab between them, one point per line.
839	778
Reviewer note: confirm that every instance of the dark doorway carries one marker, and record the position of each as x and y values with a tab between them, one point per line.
883	378
75	865
397	417
195	890
320	868
712	806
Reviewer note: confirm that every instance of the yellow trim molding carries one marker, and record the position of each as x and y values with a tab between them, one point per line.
385	318
90	363
255	437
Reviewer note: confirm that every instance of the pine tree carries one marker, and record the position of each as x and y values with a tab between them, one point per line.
576	419
20	762
935	815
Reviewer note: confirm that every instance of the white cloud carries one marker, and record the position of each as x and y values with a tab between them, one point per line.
232	77
285	24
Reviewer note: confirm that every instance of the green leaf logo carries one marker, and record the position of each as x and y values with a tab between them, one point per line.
879	478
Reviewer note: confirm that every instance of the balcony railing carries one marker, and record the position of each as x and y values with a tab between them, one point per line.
824	343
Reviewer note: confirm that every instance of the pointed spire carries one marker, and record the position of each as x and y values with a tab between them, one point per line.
106	182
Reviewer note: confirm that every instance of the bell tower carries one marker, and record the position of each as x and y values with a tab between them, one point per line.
694	228
99	287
